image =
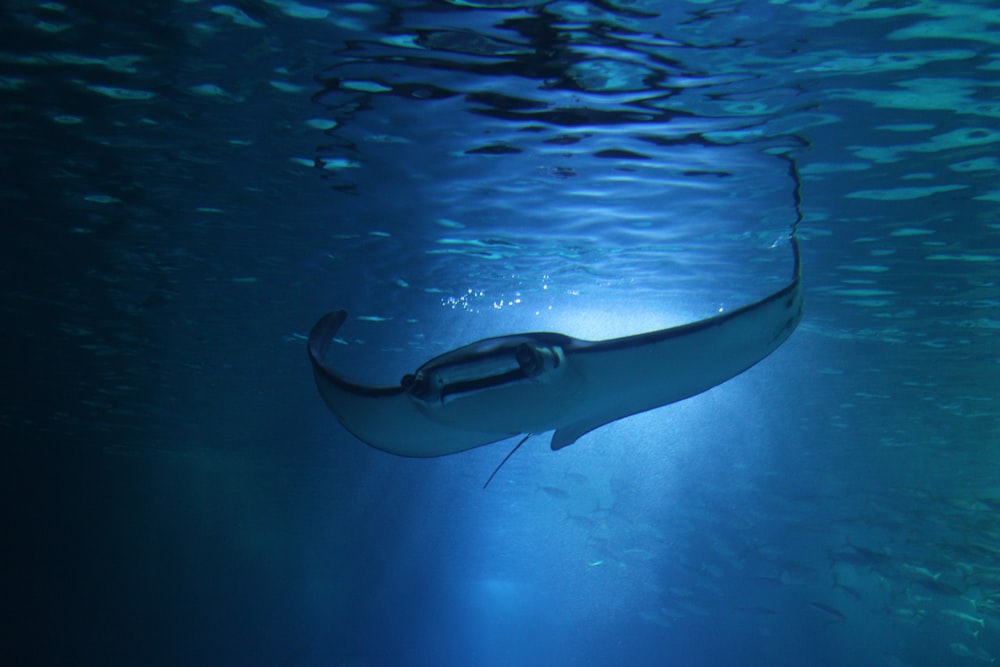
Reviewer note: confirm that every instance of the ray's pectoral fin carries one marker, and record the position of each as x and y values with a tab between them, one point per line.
387	418
625	376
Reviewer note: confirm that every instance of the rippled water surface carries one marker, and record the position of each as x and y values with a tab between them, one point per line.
187	186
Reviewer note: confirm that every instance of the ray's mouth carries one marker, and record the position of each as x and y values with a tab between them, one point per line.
510	365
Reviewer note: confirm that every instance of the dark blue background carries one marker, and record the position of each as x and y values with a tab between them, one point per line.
176	493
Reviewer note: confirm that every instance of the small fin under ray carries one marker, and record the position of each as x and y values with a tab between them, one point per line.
502	387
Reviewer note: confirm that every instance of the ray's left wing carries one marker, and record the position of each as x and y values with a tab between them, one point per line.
386	418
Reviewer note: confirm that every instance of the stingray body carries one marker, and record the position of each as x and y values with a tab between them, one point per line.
528	383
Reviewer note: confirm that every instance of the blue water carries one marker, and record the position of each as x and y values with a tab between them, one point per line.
187	186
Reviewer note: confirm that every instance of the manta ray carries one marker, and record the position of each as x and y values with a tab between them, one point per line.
531	383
